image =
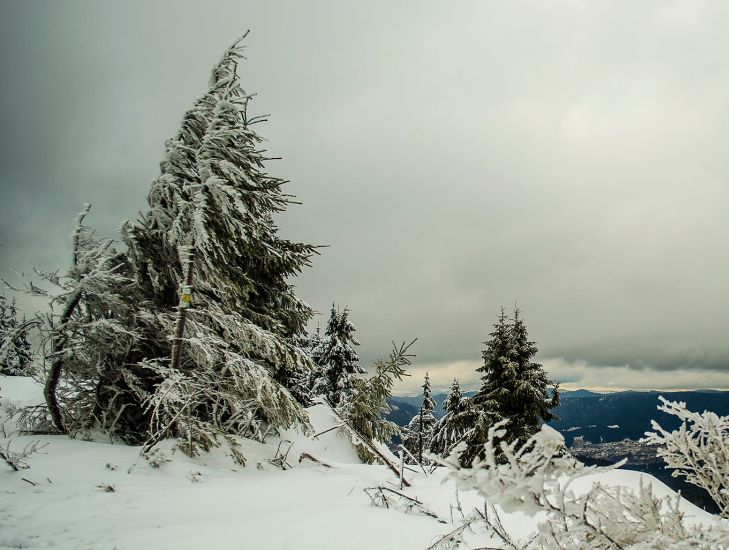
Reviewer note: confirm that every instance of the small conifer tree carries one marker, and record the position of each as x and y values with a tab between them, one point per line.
450	429
337	359
420	428
366	409
15	352
428	402
454	401
513	388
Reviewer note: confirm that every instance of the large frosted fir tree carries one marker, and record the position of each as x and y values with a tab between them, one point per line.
214	201
210	222
514	388
338	361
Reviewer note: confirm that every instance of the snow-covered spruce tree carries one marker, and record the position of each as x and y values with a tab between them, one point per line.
419	430
214	200
451	429
538	476
367	405
16	354
454	401
698	450
302	379
513	388
210	221
337	359
314	344
428	402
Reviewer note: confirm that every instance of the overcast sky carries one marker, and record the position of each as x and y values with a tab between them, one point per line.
456	156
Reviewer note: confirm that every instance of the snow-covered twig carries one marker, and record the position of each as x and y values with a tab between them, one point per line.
397	500
698	450
537	477
19	460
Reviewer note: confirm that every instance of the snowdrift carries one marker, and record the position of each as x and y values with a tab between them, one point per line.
101	495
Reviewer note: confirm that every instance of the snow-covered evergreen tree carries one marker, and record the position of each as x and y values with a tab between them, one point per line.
337	359
428	402
214	198
513	388
211	216
15	352
454	400
451	428
419	430
314	345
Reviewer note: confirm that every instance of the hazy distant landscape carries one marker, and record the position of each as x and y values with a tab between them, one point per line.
598	417
604	428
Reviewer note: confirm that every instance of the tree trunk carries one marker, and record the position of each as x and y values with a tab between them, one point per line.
54	375
181	316
420	437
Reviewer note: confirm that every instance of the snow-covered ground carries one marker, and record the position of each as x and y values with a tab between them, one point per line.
65	499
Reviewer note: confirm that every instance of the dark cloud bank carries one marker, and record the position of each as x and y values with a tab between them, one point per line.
570	157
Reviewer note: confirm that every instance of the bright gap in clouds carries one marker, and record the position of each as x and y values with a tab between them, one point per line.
570	375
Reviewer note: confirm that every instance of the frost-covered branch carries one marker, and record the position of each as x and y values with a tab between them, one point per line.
17	460
698	449
384	497
538	476
366	405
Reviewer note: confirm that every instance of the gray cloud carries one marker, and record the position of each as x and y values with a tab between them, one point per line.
456	157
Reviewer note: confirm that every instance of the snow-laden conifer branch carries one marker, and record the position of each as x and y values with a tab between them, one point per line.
364	404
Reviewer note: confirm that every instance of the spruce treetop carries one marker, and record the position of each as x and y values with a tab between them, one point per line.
214	196
454	399
337	358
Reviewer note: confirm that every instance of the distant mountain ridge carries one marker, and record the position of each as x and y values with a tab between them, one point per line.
598	417
603	428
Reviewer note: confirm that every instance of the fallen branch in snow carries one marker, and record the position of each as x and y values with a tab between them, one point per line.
360	438
399	501
492	523
279	459
489	521
307	456
452	539
18	460
316	436
402	447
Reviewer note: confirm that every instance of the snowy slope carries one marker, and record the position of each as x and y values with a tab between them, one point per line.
209	502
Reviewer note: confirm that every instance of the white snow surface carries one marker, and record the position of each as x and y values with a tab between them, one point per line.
210	502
